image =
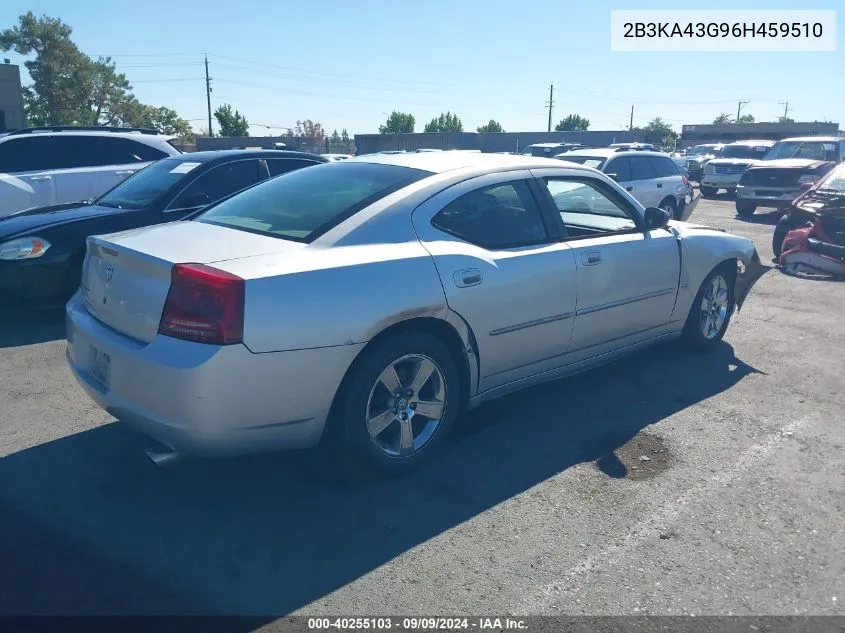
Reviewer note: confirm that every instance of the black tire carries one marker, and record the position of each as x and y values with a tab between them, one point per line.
784	226
708	192
693	336
671	207
745	209
348	428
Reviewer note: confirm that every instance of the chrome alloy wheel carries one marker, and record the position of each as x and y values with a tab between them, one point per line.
406	405
714	307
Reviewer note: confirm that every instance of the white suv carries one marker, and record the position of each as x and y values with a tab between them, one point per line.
57	165
653	178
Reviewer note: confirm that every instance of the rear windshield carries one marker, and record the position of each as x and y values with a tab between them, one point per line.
149	184
596	162
303	204
744	151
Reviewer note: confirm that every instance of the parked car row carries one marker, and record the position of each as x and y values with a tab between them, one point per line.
275	318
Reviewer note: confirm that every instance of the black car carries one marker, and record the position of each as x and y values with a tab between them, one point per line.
42	249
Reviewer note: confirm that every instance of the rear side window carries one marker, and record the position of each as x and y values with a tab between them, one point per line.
621	167
100	151
303	204
496	217
663	167
841	151
279	166
641	168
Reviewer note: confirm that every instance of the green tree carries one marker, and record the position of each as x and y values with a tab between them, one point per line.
746	118
335	139
722	119
659	131
398	122
573	123
344	137
231	122
446	122
785	119
490	126
69	88
308	129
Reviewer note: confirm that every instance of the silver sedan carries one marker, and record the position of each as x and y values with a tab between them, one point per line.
366	303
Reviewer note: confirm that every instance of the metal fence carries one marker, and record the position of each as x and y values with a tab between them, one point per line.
298	143
489	142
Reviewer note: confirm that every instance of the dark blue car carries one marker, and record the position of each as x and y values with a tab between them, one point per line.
41	250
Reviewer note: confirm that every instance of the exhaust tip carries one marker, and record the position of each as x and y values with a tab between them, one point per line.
163	456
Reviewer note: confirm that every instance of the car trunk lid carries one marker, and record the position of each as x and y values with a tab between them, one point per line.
126	276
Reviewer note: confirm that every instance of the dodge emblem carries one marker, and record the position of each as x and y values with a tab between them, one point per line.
108	272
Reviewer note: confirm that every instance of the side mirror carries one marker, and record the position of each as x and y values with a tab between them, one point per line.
613	177
656	218
195	200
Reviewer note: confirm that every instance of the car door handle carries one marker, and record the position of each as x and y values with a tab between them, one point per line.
467	277
591	258
629	188
660	185
41	178
125	172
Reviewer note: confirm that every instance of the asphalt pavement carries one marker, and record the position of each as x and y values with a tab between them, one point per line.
665	483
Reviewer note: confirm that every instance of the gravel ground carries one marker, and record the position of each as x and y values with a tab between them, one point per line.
662	484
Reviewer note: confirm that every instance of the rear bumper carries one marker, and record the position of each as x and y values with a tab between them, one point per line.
775	197
204	399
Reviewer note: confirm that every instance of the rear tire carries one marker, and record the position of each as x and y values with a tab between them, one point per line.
745	209
669	206
711	310
368	427
784	226
708	192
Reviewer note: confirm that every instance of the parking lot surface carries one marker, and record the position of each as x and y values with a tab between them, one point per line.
665	483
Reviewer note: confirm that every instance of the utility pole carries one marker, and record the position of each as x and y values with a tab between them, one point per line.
631	124
208	95
739	109
551	104
785	105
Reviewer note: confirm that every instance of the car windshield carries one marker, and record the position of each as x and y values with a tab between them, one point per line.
744	151
596	162
835	181
149	184
700	150
815	150
304	204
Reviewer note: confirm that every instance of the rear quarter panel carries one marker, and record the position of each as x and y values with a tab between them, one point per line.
319	297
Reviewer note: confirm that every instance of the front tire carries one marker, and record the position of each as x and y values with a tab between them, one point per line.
745	209
711	310
784	226
708	192
399	404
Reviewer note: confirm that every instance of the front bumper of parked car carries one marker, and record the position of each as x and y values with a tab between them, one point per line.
774	197
721	181
33	282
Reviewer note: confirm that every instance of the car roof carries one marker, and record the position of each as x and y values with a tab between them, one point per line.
551	144
812	139
440	162
607	152
222	154
145	138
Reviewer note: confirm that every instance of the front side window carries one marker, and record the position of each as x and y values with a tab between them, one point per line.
303	204
217	183
586	204
32	153
72	152
496	217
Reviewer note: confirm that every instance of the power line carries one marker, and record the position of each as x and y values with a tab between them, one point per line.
739	107
160	81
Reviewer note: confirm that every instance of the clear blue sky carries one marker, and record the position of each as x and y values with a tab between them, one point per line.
347	64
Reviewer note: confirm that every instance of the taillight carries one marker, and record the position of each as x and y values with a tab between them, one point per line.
204	304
